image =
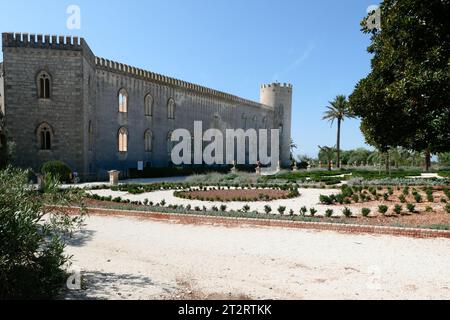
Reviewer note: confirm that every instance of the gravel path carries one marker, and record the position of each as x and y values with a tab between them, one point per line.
127	258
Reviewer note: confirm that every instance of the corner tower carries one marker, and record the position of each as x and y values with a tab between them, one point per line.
279	97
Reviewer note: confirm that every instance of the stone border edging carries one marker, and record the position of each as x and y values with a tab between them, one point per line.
238	221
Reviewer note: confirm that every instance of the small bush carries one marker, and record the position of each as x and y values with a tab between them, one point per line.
246	208
303	211
355	198
267	209
418	198
402	198
325	199
281	210
223	208
411	207
398	209
365	212
347	212
313	212
329	213
57	169
382	209
429	209
447	208
386	196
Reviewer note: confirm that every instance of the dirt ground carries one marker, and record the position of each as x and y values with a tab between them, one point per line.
130	258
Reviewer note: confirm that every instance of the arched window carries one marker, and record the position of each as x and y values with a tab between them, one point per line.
90	136
148	105
45	135
171	109
44	85
148	141
123	140
123	101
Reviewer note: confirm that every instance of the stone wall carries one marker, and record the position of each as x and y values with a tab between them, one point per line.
64	112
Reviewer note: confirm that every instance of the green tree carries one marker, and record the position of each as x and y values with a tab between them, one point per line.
404	101
32	229
328	152
338	111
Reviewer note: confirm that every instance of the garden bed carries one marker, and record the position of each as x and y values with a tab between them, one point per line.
235	195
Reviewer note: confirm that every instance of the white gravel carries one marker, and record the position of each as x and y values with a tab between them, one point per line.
128	258
308	198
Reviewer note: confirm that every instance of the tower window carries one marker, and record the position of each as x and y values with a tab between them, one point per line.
44	85
148	105
148	141
123	101
123	140
171	109
45	136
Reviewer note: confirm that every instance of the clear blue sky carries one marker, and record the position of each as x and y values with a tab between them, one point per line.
229	45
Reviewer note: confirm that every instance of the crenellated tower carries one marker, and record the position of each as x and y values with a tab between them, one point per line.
279	97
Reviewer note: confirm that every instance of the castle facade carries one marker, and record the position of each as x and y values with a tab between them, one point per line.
61	102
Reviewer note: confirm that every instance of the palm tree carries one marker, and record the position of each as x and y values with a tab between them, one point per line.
338	110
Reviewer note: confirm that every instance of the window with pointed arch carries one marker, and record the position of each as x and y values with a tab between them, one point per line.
148	137
44	85
148	105
90	136
45	135
123	101
123	139
171	109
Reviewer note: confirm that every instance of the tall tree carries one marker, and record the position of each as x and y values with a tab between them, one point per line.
338	111
405	99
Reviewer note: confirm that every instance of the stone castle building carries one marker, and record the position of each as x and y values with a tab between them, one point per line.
61	102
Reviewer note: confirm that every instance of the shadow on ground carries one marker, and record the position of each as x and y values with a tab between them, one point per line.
80	238
111	286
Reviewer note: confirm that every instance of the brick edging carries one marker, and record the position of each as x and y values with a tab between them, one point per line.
238	221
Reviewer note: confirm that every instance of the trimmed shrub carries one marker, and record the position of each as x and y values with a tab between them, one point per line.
398	209
347	212
418	197
281	210
303	211
402	198
447	208
329	213
246	208
411	207
313	212
267	209
365	212
325	199
57	169
382	209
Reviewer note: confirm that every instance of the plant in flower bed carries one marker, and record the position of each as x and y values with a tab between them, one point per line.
411	207
447	208
365	212
383	209
347	212
329	213
398	209
247	193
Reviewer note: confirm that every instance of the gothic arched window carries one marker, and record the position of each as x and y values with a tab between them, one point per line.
123	101
44	85
148	137
45	135
123	140
90	136
171	109
148	105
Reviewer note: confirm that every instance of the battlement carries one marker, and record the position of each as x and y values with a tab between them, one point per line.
116	67
39	41
277	85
